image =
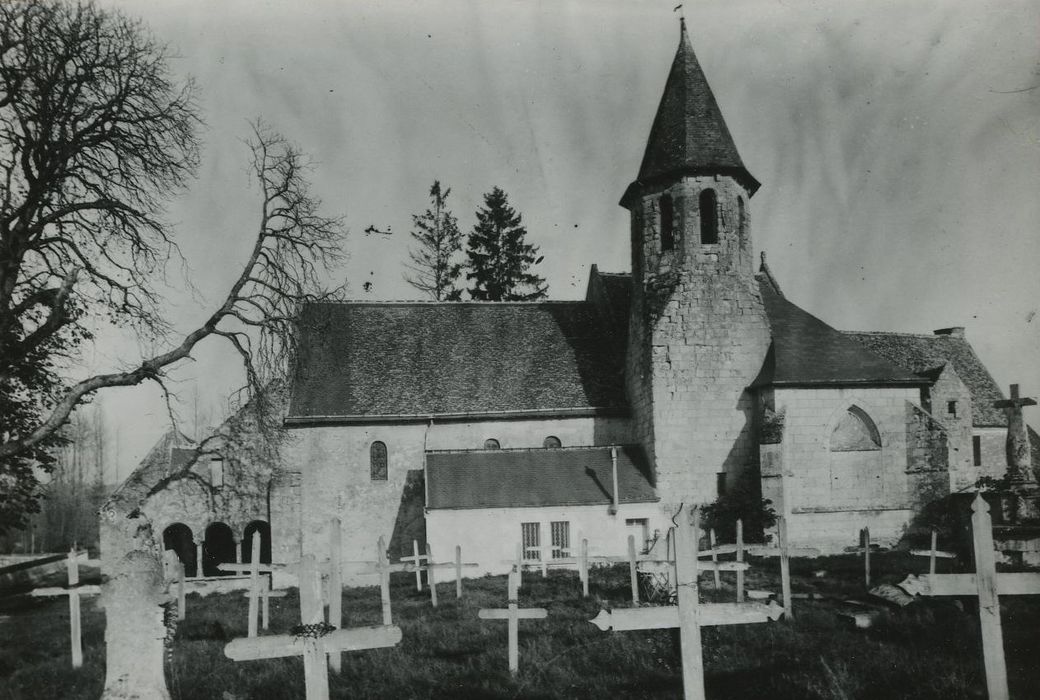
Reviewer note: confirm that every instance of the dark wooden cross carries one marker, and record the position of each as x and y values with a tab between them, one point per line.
1018	454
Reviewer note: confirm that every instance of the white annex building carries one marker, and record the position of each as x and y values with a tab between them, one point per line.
487	424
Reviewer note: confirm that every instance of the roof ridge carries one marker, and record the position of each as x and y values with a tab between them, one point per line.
902	333
424	302
562	448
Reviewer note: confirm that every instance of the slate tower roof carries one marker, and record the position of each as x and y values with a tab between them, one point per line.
689	135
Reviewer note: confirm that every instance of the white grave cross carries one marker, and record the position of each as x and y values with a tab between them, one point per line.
689	615
513	613
257	588
74	591
988	585
315	639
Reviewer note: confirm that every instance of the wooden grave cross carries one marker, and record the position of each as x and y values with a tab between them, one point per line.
513	614
933	553
258	588
988	586
74	591
781	550
634	560
314	639
690	615
458	565
417	559
382	567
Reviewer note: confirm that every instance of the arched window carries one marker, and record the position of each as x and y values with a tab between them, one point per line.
257	528
491	444
551	442
855	432
709	217
377	461
667	212
219	548
178	537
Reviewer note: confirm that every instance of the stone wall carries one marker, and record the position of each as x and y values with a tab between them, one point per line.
336	480
828	496
699	333
957	423
994	453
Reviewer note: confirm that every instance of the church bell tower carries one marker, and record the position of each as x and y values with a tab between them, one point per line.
698	333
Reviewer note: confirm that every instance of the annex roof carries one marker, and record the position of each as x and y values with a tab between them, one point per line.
569	476
689	135
808	352
415	360
925	354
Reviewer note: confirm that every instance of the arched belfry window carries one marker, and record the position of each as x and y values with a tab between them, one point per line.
667	212
709	210
855	432
377	461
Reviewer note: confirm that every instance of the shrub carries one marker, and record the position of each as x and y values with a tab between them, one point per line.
741	502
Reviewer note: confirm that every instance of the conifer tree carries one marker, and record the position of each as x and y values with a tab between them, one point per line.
434	259
500	260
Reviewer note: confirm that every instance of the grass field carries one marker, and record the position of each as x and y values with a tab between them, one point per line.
929	649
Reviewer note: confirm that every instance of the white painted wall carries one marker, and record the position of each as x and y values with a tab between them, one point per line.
490	536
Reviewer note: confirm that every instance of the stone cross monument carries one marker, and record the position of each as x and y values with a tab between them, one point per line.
1019	462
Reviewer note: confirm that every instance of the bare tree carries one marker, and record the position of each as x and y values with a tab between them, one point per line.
94	135
437	243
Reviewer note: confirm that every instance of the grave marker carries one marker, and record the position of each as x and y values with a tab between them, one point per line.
932	553
73	591
416	559
988	586
513	614
314	639
256	589
689	615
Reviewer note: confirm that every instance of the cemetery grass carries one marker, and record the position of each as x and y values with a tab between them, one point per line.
927	650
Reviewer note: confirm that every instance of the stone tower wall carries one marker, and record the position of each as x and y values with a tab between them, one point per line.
699	332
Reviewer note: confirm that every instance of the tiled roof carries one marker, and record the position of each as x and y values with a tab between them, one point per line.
689	135
924	354
367	360
171	453
808	352
536	477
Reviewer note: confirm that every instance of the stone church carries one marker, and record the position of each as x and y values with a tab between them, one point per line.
493	424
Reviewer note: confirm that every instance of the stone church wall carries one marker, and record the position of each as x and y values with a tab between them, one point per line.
708	336
337	481
490	536
828	496
993	442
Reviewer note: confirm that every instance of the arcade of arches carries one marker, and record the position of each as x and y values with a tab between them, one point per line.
218	545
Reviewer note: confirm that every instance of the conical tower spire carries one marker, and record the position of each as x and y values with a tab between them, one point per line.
689	135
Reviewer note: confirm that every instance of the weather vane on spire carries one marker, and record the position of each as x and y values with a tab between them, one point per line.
678	8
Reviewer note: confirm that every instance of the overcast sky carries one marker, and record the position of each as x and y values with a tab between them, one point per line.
898	144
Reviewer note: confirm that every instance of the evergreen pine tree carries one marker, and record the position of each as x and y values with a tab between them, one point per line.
500	261
434	264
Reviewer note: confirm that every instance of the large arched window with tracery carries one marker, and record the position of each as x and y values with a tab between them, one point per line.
855	432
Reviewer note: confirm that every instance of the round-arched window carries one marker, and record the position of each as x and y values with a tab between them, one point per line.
377	461
551	442
491	444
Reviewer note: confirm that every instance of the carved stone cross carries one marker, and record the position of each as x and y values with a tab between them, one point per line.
1019	462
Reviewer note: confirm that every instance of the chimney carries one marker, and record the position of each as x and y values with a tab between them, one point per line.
954	332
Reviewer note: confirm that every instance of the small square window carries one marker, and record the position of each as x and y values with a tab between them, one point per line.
640	529
951	408
216	472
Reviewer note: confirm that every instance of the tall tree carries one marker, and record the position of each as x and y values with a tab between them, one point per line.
94	136
500	260
437	243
